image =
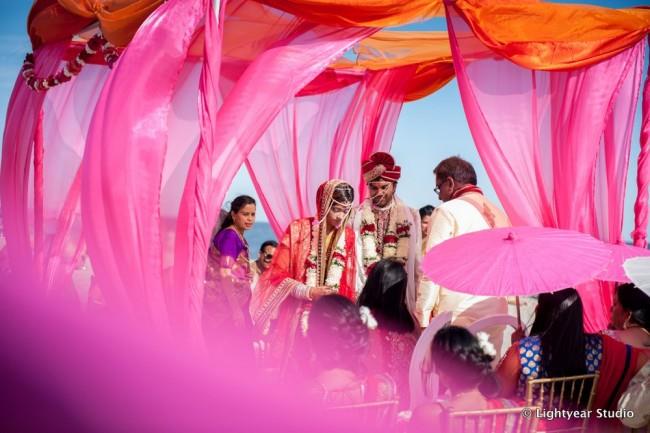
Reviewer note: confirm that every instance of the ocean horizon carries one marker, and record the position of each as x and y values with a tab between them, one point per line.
260	233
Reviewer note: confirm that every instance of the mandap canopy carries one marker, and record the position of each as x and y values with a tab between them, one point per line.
132	162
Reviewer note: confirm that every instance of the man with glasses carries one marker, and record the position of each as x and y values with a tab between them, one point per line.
263	261
464	209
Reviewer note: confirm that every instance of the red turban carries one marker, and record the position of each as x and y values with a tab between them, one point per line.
381	166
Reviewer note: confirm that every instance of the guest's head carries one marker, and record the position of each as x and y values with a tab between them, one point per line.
241	215
425	219
385	295
334	200
460	361
337	335
451	175
267	250
381	175
631	308
559	324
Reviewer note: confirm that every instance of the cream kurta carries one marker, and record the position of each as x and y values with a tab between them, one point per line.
451	219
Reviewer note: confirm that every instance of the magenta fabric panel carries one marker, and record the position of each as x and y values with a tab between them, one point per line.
639	235
123	163
67	111
23	114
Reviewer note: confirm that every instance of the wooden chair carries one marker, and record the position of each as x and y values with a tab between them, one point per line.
510	420
422	383
381	414
568	392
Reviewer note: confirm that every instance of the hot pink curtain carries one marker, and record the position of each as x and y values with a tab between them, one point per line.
23	113
137	161
341	126
555	144
641	214
124	159
370	124
67	111
229	133
291	157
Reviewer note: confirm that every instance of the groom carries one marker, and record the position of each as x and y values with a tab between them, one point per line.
385	227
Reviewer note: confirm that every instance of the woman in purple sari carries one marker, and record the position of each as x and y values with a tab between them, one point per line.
226	319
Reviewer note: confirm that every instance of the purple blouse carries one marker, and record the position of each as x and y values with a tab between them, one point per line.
229	243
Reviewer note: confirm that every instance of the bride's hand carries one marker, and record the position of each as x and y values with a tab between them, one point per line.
319	291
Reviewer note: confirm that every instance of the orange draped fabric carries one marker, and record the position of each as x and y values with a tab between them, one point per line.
429	78
550	36
54	20
251	25
48	21
118	19
402	48
367	13
533	34
430	51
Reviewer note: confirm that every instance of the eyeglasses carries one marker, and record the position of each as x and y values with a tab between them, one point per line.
437	188
268	256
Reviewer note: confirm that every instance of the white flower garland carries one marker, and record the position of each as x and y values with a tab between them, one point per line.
367	318
396	238
335	269
484	343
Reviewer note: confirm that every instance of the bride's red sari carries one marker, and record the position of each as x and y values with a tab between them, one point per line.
276	313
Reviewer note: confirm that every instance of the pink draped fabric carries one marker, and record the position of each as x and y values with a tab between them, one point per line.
59	139
370	124
124	159
290	160
38	195
248	109
193	224
23	115
639	235
342	126
135	159
555	144
67	111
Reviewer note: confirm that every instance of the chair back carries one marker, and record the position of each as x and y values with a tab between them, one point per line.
424	385
491	321
510	420
379	415
569	392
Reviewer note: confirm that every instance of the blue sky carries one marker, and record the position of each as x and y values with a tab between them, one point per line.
432	128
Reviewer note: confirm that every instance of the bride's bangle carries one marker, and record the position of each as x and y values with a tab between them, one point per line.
301	291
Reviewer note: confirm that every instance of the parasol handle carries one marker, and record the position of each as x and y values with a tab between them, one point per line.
518	311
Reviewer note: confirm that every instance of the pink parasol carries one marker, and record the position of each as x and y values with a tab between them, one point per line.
515	261
620	253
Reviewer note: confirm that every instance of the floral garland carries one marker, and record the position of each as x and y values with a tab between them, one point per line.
367	318
335	269
72	67
485	345
396	238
